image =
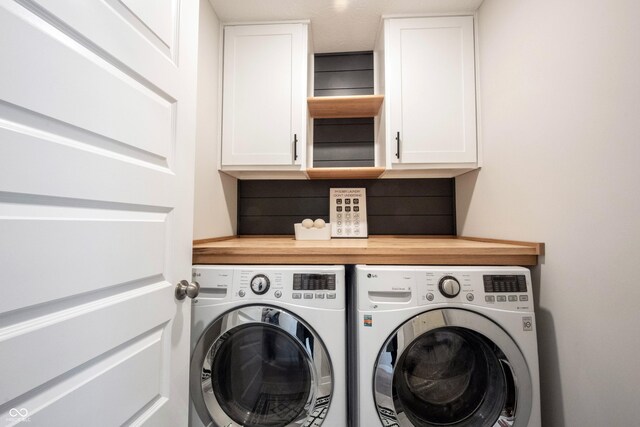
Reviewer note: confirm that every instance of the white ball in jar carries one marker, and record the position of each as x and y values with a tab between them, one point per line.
307	223
319	223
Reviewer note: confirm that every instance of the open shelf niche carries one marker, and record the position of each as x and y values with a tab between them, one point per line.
343	109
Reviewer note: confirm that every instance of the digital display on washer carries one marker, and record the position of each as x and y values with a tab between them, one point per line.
505	283
314	282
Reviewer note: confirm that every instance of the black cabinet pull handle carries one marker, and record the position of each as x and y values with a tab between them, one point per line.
398	145
295	146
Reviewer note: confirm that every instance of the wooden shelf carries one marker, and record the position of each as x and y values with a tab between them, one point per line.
339	107
345	173
382	250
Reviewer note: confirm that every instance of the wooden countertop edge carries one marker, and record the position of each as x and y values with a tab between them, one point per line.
366	251
213	239
240	250
539	247
465	259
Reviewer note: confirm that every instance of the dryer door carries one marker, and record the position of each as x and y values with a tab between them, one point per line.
260	366
452	367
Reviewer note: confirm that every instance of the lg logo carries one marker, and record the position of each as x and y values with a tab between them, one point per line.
369	276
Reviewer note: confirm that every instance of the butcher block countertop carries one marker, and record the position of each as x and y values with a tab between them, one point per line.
385	250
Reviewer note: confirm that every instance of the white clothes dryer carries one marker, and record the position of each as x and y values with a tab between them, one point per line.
445	346
268	347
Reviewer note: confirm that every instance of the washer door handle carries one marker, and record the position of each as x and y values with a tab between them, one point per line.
186	289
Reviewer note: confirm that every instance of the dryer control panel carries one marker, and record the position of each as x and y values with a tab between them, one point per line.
504	288
382	288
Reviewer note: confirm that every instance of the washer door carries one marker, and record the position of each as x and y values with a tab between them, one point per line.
452	367
260	366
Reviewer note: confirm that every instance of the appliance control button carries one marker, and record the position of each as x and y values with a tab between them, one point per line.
501	298
241	293
490	298
524	297
331	296
430	296
339	201
296	295
308	295
470	297
277	294
513	298
449	286
319	296
260	284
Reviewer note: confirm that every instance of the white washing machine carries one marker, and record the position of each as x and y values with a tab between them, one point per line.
268	346
445	346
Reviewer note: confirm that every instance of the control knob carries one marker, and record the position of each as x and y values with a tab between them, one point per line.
260	284
449	286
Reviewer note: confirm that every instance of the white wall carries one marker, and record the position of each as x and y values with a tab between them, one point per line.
560	103
215	193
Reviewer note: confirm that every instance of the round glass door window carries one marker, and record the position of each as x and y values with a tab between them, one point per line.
450	376
261	376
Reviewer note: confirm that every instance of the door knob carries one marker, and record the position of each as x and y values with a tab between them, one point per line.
186	289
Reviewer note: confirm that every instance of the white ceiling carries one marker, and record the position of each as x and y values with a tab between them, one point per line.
337	25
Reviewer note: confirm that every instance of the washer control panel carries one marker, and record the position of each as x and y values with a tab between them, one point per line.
324	286
314	282
510	283
312	286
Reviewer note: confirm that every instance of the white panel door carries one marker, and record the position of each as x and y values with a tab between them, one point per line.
431	90
264	103
96	194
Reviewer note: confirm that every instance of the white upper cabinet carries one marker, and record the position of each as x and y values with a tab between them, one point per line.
430	98
264	112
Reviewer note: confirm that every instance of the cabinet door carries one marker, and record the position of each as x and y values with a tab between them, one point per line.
263	94
431	90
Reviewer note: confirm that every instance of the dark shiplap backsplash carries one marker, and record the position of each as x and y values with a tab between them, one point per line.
395	206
